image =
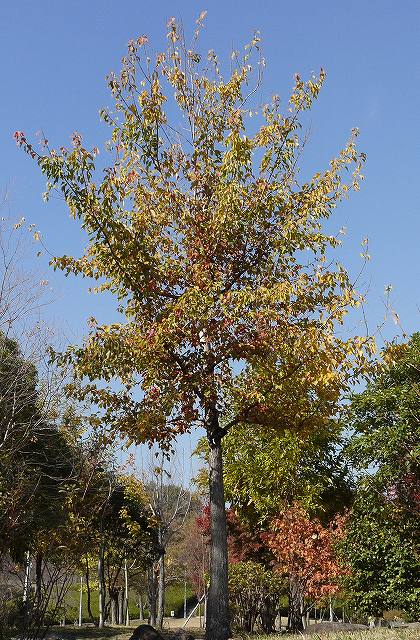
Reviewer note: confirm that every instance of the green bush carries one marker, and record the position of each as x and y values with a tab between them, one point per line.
254	592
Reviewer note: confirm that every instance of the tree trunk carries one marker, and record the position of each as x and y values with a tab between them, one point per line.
101	580
141	618
120	606
217	623
269	611
113	594
294	622
27	589
89	601
38	586
151	583
126	602
81	602
161	592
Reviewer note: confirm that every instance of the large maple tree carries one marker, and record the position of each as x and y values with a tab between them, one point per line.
216	254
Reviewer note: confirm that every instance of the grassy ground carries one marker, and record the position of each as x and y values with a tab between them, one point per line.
372	634
368	634
174	601
108	633
121	633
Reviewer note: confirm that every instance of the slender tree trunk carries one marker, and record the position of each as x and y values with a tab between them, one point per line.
302	610
114	606
126	603
141	618
294	622
88	593
27	590
120	607
81	602
101	580
268	614
38	586
217	622
161	592
152	595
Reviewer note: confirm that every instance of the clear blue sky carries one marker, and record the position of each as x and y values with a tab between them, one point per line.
55	55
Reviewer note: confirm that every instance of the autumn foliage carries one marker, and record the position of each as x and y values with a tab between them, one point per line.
304	550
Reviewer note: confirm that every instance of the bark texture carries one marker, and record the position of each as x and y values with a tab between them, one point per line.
113	594
296	608
217	618
120	607
101	580
38	586
161	592
88	591
152	595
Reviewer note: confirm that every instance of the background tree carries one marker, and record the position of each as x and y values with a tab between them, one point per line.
170	504
193	553
35	458
265	472
22	295
39	475
305	552
382	543
200	234
382	552
128	531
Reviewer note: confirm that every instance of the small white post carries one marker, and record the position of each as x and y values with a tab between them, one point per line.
27	587
127	611
81	601
27	583
205	610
